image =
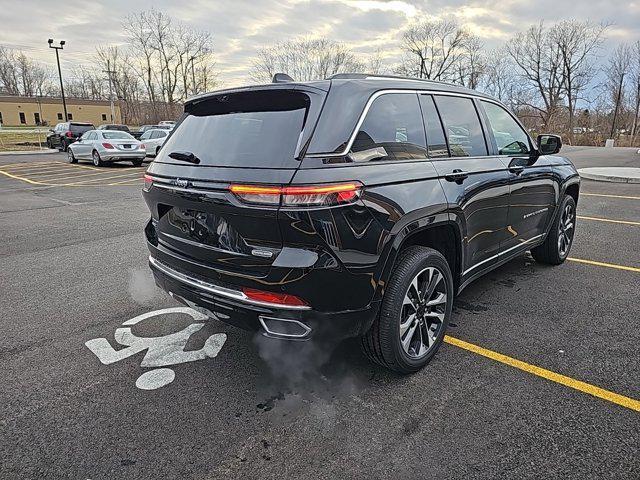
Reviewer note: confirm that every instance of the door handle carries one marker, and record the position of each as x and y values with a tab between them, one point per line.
457	176
517	169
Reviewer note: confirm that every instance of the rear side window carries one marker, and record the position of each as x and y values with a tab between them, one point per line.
510	138
436	142
246	129
392	130
462	125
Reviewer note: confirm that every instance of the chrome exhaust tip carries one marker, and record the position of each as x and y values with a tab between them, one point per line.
284	328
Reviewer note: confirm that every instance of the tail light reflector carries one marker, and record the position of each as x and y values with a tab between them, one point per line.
107	146
274	297
303	195
148	182
68	134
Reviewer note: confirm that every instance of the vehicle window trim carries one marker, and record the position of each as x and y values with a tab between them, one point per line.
429	91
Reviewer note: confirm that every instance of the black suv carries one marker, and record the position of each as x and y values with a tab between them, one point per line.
353	206
64	134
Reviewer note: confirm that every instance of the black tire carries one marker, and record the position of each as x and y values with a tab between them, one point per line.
63	146
136	163
555	249
97	161
157	151
49	144
71	157
382	343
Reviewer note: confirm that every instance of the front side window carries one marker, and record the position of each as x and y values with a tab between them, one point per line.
145	135
510	138
392	130
462	125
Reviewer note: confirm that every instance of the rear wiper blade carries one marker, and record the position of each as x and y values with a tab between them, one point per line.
185	157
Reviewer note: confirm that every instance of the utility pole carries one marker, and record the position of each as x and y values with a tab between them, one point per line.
615	112
193	76
56	48
109	72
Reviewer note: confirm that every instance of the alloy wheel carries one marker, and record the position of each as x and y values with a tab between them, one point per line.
565	232
423	312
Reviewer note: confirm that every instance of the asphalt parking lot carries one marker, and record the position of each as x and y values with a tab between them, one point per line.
540	377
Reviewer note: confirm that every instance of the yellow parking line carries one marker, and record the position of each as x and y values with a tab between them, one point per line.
34	170
583	387
82	174
627	197
17	166
609	220
94	179
20	178
128	182
604	264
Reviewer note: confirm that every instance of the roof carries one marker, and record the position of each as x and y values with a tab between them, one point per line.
54	100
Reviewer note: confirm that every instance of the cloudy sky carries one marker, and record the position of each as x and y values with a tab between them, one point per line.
241	27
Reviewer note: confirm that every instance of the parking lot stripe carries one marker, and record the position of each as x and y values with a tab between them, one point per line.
609	220
627	197
97	179
128	182
547	374
604	264
21	178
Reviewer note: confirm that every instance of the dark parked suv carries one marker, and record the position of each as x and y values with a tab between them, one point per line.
353	206
64	134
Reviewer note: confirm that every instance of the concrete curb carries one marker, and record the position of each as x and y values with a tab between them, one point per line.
611	174
30	152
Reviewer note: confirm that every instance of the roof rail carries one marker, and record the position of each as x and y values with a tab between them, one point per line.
367	76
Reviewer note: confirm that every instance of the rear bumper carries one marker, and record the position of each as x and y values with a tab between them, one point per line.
230	306
121	155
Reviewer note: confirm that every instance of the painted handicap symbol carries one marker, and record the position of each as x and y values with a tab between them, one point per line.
161	351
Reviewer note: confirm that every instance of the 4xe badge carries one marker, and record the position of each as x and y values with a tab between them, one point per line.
161	352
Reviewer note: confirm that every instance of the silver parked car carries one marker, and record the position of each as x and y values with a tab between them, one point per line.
154	139
102	146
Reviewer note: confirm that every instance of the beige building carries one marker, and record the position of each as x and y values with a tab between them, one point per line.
15	111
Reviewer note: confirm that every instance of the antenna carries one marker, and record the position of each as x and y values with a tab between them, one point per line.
281	78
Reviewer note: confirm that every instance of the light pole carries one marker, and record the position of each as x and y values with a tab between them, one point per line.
56	48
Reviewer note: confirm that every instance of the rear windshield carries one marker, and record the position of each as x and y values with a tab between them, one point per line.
247	129
115	135
81	127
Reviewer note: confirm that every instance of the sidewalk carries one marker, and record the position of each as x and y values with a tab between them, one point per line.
30	152
611	174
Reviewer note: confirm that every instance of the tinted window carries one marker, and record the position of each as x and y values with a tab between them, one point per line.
436	143
510	137
392	130
116	135
248	129
462	126
79	128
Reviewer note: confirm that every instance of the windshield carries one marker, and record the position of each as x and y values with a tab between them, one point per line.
116	135
247	129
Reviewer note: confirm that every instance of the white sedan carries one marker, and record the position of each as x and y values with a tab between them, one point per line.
102	146
154	139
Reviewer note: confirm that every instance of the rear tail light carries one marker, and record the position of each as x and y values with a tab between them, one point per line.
299	196
142	146
68	135
273	297
148	182
107	146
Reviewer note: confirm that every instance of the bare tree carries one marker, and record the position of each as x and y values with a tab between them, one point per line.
472	64
19	75
434	50
539	62
577	43
635	81
500	80
617	73
304	59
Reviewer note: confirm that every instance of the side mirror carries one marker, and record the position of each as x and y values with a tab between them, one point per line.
549	144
